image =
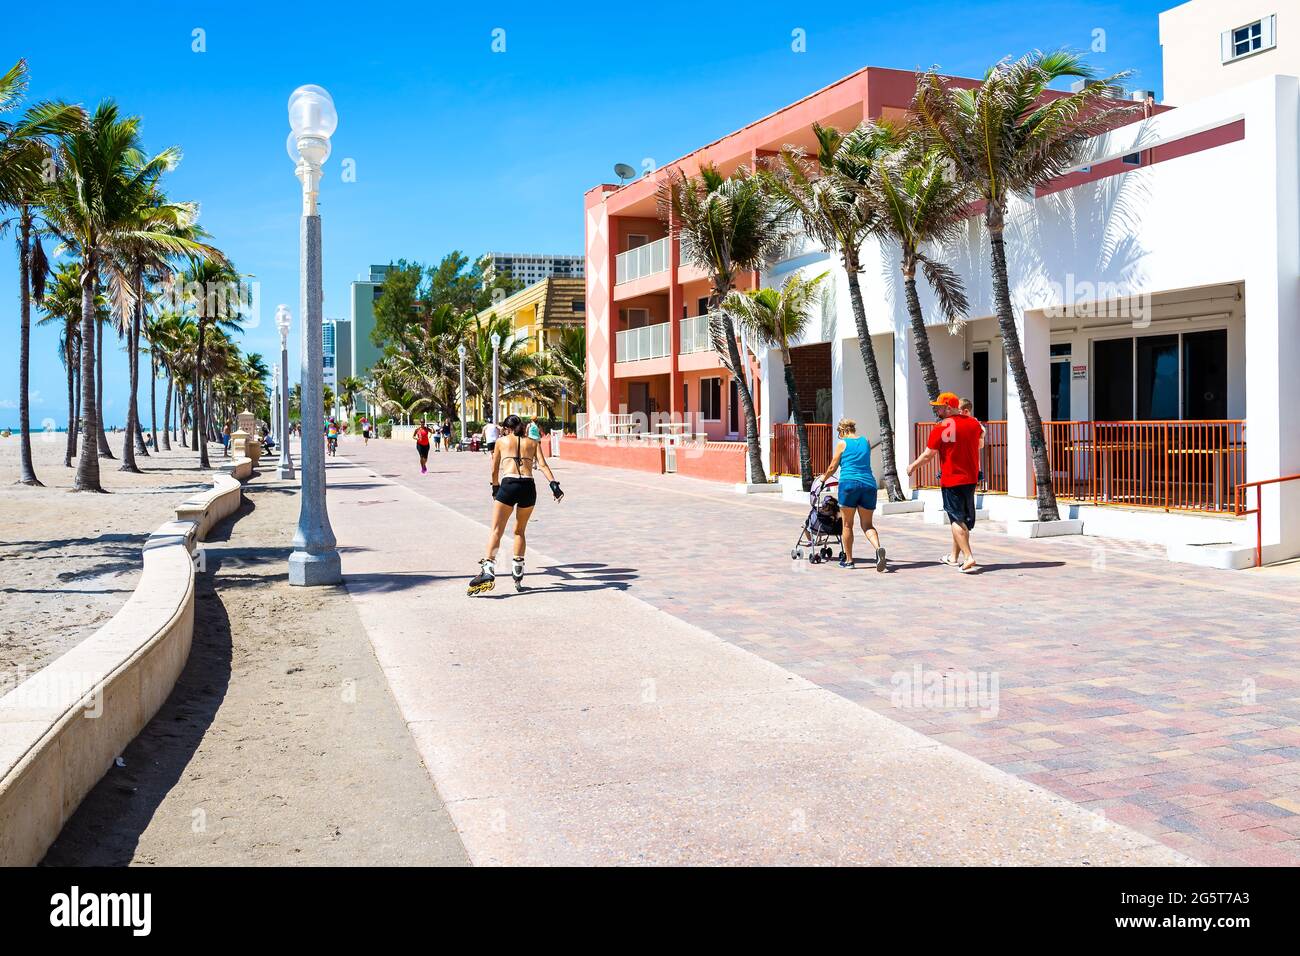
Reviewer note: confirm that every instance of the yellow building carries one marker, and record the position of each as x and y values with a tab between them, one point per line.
538	315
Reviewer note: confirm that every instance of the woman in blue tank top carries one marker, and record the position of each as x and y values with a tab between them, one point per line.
857	489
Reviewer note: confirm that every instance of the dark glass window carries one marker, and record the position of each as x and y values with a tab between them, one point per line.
1205	375
1157	377
1112	380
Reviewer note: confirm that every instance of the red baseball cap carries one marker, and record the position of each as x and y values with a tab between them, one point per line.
946	400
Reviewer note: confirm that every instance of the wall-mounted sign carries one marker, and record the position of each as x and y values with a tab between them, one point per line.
1080	371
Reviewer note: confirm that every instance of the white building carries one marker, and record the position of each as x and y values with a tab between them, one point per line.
1158	313
533	267
1211	45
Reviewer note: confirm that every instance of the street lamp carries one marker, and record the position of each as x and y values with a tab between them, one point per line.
315	559
461	350
496	347
283	321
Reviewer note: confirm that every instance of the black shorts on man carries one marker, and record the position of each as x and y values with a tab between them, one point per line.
959	504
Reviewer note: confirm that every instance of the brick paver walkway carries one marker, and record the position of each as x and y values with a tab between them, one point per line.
1166	697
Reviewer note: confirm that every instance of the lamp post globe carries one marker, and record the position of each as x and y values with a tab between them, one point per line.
312	121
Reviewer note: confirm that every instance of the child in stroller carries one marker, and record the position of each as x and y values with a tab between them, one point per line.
823	527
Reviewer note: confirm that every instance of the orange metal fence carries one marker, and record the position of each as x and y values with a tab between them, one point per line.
785	448
1171	465
1258	511
993	458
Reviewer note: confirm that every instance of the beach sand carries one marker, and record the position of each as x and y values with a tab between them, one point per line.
69	561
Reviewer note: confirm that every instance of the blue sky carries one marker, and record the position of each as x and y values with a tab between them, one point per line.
458	147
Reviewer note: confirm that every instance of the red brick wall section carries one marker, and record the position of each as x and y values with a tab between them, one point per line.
613	455
812	370
712	462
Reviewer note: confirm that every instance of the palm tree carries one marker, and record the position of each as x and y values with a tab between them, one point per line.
726	226
919	203
91	206
776	317
828	194
349	389
570	357
62	305
1005	138
24	161
139	255
207	282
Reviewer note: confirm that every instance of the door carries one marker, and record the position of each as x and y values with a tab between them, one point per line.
980	364
733	409
1061	390
638	397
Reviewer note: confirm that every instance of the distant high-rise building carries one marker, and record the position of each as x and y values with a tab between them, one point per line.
533	267
328	336
364	353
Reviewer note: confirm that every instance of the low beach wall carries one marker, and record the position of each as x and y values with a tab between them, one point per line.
61	729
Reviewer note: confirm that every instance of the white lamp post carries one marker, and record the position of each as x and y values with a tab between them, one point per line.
461	350
283	321
496	347
315	559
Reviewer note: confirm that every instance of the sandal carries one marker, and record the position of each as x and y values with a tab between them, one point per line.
971	568
948	560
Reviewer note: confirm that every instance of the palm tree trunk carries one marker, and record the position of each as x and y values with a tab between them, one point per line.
919	333
198	423
132	405
87	477
101	438
153	399
1047	510
70	360
800	426
27	474
167	414
140	447
757	475
893	489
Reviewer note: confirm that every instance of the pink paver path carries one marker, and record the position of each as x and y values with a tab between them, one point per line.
1166	696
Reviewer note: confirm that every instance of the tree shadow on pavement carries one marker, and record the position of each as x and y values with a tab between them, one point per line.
571	578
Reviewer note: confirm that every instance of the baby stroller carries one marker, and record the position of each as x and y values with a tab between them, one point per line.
823	526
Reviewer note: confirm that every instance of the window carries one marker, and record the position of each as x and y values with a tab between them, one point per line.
1155	377
711	399
1249	39
578	305
1132	159
686	398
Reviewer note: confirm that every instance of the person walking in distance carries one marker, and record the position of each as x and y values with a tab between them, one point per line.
365	429
857	489
514	457
422	435
490	435
956	443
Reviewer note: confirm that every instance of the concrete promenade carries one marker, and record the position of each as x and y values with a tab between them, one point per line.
579	723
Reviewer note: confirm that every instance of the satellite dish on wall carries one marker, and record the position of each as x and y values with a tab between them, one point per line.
624	172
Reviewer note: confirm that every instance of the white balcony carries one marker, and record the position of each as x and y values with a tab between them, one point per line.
642	261
646	342
695	335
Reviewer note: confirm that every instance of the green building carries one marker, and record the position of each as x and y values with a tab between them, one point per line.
364	353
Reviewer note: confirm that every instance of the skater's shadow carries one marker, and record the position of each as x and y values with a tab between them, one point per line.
568	579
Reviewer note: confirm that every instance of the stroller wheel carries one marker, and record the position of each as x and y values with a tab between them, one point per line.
794	554
814	558
826	552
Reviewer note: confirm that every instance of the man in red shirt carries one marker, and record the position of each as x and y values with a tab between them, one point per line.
956	443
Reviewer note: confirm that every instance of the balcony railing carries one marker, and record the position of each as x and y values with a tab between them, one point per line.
993	458
642	261
785	448
695	334
1170	465
646	342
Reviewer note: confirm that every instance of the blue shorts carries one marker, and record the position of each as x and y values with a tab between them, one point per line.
858	496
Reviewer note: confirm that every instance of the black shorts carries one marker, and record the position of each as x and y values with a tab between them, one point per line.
517	492
423	450
959	504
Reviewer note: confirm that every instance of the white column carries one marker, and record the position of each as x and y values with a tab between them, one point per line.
774	399
1035	331
1272	308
